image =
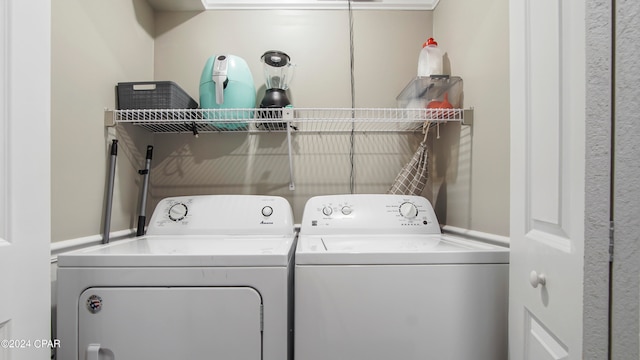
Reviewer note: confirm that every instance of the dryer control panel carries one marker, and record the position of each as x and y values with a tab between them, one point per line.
222	214
369	214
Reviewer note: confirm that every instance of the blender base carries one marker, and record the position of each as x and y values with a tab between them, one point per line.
273	99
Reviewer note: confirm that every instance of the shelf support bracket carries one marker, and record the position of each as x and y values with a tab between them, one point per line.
467	116
287	115
109	118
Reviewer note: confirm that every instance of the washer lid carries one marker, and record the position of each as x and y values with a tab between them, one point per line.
184	251
389	249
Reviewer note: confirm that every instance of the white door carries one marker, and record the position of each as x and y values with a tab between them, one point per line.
547	48
25	295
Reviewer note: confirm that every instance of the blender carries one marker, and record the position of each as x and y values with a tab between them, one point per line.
278	72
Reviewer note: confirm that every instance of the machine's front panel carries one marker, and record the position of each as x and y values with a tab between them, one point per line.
375	279
167	323
408	312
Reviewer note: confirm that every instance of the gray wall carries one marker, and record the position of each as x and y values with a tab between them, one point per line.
90	54
475	35
385	52
469	165
387	44
386	49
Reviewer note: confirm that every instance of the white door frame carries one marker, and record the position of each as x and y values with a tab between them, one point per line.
25	211
547	168
612	195
597	178
597	181
625	284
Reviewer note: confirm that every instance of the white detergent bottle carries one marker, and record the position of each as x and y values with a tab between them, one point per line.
430	60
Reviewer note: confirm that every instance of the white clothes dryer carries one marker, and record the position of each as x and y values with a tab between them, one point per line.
375	279
212	279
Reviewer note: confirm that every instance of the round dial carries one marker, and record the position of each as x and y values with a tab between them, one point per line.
267	211
327	210
178	211
408	210
347	210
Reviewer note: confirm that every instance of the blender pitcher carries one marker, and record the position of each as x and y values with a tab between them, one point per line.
278	72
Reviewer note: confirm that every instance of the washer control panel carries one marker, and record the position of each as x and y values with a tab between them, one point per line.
222	214
374	213
178	211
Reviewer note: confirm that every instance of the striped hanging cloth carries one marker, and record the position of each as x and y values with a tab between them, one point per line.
413	177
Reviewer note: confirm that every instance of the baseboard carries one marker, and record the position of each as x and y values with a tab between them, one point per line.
79	243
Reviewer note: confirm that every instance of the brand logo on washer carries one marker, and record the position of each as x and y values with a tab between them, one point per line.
94	303
266	222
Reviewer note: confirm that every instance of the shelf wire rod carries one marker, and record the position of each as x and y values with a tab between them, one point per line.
353	103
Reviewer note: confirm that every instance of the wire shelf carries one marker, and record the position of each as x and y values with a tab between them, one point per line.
300	120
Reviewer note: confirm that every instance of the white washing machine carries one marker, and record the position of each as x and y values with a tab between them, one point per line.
376	279
210	280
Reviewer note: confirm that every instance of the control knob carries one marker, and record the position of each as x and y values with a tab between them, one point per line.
178	211
327	210
267	211
408	210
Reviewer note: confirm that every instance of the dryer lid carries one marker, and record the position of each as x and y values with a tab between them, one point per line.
184	251
388	249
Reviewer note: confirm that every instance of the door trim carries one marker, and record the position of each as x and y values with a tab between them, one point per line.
599	60
625	284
